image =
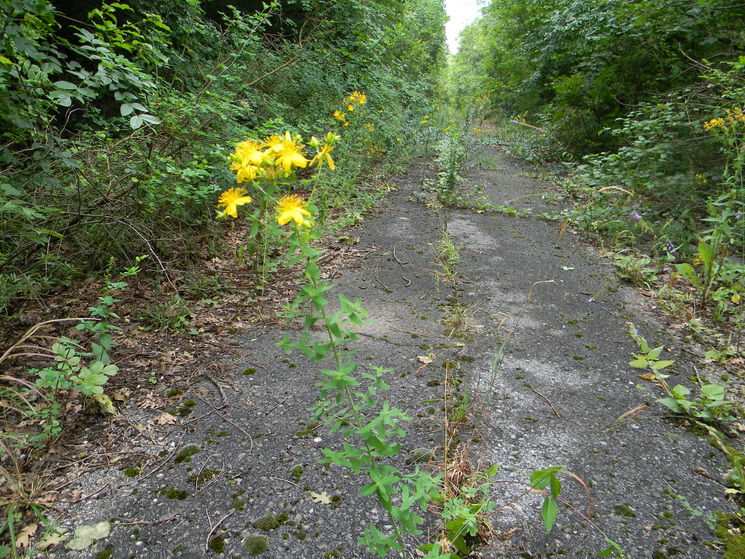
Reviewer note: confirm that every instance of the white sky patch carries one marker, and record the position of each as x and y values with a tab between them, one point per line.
461	13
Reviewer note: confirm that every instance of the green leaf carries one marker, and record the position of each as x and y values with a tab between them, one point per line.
657	365
639	363
555	486
687	271
671	403
680	391
713	391
611	549
10	190
539	479
65	85
62	98
150	119
549	512
654	354
705	252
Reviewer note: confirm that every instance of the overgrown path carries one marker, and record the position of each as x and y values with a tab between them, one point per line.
512	327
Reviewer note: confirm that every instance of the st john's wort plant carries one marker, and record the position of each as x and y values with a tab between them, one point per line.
348	402
268	167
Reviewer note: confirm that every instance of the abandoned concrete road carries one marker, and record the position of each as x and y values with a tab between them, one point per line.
525	327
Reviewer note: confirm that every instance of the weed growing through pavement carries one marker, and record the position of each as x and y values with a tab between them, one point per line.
447	256
649	358
348	403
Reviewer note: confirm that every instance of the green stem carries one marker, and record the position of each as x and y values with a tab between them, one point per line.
350	399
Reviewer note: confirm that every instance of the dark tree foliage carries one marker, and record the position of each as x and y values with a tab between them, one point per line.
579	64
116	119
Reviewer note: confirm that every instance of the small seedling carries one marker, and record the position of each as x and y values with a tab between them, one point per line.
649	358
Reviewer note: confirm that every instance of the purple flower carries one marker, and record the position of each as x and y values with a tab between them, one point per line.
738	215
635	216
670	246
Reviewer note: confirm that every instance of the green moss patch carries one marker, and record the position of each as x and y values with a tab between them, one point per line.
256	544
186	453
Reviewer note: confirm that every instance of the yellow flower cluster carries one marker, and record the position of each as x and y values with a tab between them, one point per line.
714	123
275	157
356	97
278	156
350	103
734	117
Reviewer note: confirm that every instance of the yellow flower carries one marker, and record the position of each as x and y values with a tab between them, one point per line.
247	160
714	123
340	116
292	208
249	152
244	172
350	108
324	155
357	97
231	199
370	126
288	150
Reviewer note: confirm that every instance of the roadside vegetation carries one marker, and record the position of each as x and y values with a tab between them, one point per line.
642	103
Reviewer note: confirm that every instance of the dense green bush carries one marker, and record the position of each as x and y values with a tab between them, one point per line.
116	120
576	66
